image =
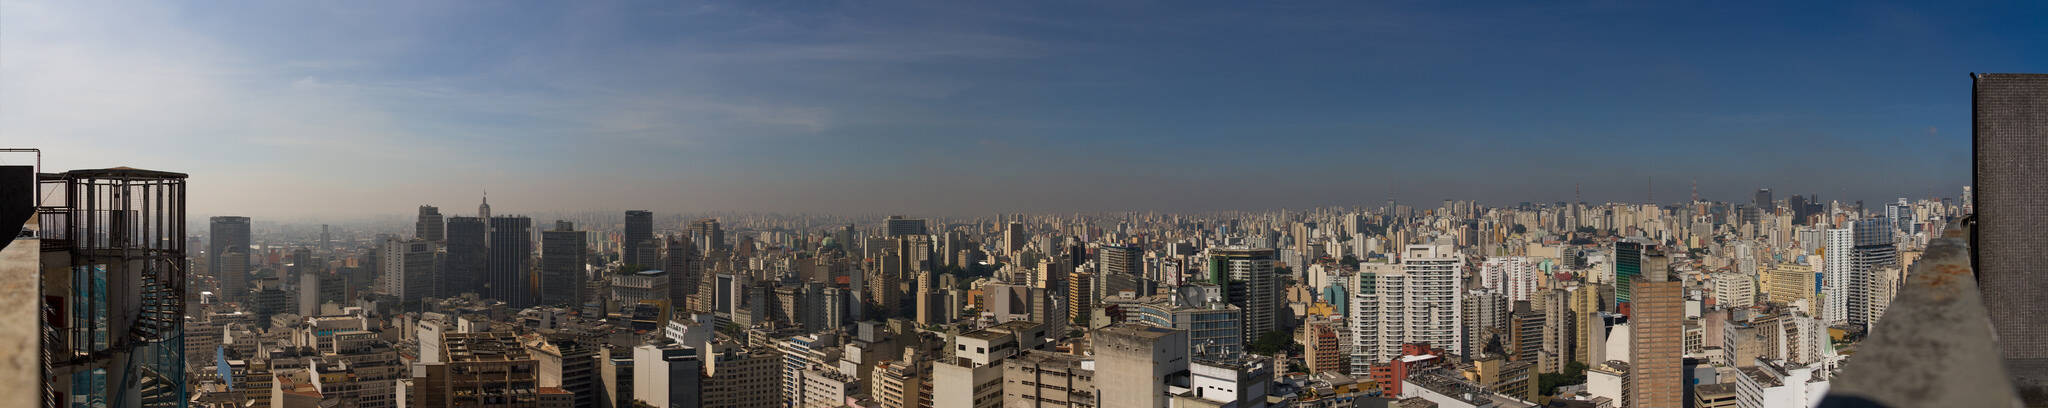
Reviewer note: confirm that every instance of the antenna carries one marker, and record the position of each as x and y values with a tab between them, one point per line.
1695	190
1575	193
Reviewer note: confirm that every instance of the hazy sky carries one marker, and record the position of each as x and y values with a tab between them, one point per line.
348	108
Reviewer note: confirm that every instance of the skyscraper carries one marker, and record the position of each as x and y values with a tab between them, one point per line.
1763	202
1854	256
1657	344
1249	282
897	225
1121	260
639	228
510	276
1414	301
468	257
1628	263
706	233
562	262
408	269
227	255
684	272
429	226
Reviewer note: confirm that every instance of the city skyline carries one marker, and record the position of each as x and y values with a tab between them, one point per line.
290	110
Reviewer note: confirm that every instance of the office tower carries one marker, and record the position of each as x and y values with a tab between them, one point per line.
803	351
684	271
1121	260
707	235
1525	334
468	257
562	263
734	377
639	228
1854	255
109	249
1046	379
224	234
408	270
1589	328
896	226
233	273
1135	361
1657	344
1415	301
477	369
510	276
1212	324
1789	283
1249	282
1872	250
1081	297
570	364
429	226
1013	238
1628	263
1763	201
667	375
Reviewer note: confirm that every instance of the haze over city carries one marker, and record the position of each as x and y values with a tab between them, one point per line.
348	109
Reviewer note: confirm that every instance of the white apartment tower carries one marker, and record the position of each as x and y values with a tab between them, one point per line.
1413	301
1515	276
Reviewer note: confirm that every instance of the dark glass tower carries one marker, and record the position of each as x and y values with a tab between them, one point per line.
468	257
510	277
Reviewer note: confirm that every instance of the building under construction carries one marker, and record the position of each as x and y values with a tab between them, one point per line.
108	248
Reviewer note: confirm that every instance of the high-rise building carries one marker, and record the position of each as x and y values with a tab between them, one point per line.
667	375
1250	282
1588	328
1515	276
562	263
1013	238
1854	256
1657	344
897	225
1628	263
429	226
707	235
409	269
1135	360
510	277
110	256
1121	260
1763	201
1414	301
230	268
1319	346
468	257
684	270
639	228
477	369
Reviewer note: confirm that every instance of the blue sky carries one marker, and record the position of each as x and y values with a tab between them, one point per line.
346	108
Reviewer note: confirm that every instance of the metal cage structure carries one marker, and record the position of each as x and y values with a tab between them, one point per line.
113	286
